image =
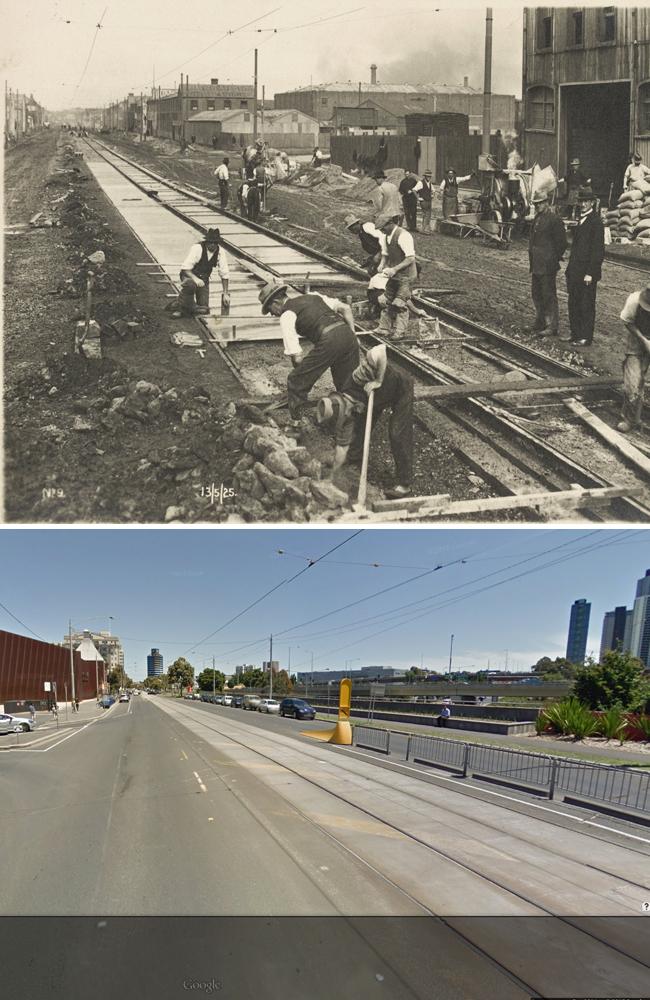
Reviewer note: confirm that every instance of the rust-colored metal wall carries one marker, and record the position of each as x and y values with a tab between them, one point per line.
26	663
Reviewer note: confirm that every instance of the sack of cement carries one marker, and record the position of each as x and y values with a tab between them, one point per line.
544	179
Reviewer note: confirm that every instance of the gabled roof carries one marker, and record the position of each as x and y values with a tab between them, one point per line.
387	88
217	90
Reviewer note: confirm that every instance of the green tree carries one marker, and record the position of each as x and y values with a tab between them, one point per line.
156	683
114	679
205	680
617	681
252	677
181	672
282	683
559	669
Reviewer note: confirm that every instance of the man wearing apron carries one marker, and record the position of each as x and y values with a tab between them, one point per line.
449	190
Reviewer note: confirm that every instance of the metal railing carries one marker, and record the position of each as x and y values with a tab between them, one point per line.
617	786
372	738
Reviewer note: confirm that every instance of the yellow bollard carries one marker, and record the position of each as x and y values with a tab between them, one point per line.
341	734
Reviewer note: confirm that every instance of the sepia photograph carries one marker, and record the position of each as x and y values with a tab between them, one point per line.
326	264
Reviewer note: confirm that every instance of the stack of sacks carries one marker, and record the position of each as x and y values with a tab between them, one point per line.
642	227
629	213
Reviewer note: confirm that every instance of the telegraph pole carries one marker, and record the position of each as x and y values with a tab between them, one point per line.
451	647
214	681
71	660
270	638
255	99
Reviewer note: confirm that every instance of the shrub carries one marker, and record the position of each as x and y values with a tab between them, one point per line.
542	723
571	718
612	724
618	681
642	722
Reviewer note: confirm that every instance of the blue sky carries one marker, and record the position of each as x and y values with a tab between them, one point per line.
173	588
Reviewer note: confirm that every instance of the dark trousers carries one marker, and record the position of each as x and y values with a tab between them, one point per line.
192	299
410	204
544	295
224	191
395	394
337	350
582	308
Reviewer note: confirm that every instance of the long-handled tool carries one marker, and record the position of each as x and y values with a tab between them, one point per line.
89	299
363	481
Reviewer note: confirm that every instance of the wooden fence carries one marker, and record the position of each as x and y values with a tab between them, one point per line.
437	153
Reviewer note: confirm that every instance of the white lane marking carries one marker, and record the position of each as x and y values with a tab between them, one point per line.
184	755
509	798
201	785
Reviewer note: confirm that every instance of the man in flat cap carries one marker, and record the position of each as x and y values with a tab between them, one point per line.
202	258
636	171
327	323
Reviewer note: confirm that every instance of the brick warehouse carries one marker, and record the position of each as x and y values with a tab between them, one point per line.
25	664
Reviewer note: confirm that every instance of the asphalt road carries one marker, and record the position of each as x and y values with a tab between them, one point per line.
175	809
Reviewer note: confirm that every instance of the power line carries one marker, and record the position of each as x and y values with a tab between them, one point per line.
12	615
277	587
97	30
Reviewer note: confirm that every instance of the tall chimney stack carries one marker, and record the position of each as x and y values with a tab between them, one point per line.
373	73
465	81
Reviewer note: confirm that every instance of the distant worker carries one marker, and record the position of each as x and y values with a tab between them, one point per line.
546	246
407	190
393	390
636	316
584	269
574	180
425	194
317	158
253	200
399	266
386	198
223	177
215	142
636	171
327	324
449	191
201	260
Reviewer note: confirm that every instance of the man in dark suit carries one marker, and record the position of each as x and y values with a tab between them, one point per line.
546	246
584	269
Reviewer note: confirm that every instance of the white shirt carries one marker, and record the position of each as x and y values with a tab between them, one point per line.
628	314
288	319
635	172
459	180
371	229
404	241
194	256
221	173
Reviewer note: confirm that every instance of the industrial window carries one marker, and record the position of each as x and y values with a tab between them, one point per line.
210	105
243	104
644	108
544	32
578	26
607	24
323	100
294	118
227	104
541	106
247	117
194	105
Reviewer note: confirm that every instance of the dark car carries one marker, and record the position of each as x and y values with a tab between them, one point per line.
237	701
106	701
296	708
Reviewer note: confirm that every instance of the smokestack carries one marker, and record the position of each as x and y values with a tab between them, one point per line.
373	73
487	82
465	81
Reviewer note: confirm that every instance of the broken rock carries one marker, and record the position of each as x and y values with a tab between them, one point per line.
81	424
279	462
329	494
273	484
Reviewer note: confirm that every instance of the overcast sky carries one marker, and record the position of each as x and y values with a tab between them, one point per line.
54	49
495	590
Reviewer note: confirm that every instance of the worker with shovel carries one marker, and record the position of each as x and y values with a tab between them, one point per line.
390	390
202	258
636	316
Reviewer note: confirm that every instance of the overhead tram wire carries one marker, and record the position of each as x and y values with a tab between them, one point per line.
277	587
92	46
16	619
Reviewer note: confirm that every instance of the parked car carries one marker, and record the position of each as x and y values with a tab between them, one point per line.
251	702
296	708
227	699
14	724
217	700
106	701
237	701
269	705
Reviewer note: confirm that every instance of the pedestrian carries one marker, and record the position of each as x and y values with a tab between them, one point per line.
215	142
55	710
202	258
32	712
410	200
574	180
444	715
223	177
636	171
449	191
546	246
386	198
584	269
399	267
76	704
381	155
393	390
636	316
425	194
328	324
317	158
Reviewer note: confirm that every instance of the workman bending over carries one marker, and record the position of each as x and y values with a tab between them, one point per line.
393	391
201	260
636	316
398	265
327	324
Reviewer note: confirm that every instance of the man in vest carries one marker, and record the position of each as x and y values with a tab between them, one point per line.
393	391
408	187
201	260
425	194
636	316
327	324
373	243
223	177
398	265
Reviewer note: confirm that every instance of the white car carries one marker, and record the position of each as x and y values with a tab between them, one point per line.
227	699
124	697
15	724
269	705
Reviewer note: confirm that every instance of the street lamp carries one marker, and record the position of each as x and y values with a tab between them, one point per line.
355	660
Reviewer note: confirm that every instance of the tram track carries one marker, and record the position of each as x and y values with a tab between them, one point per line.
262	254
572	924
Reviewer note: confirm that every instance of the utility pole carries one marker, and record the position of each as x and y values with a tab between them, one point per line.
214	680
255	99
487	82
312	673
141	117
262	108
270	656
451	647
71	660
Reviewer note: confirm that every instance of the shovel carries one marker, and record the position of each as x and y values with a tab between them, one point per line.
360	505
